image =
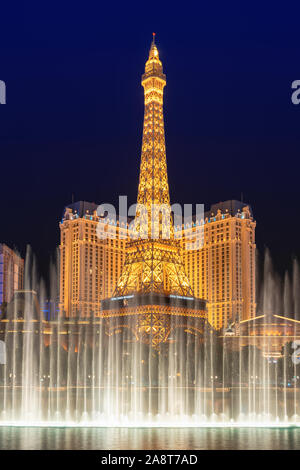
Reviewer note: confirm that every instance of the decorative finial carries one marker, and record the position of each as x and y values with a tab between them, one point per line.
153	34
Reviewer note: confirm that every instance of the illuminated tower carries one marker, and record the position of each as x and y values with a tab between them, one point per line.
153	277
153	262
153	185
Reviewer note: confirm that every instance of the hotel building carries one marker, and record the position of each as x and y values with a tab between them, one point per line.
11	273
222	270
89	266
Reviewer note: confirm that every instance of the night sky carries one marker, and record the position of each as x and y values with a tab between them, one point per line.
73	119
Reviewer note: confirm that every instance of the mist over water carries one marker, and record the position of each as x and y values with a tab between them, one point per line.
79	371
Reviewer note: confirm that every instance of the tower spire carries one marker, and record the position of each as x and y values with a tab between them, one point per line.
153	190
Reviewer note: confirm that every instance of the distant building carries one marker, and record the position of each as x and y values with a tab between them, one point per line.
11	273
89	266
24	305
267	332
222	271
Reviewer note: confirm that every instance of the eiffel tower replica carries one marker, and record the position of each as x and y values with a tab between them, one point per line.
153	289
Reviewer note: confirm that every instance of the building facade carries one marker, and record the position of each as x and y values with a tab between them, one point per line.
11	273
89	266
222	270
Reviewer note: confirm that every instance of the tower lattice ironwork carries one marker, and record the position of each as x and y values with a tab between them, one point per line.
153	262
153	287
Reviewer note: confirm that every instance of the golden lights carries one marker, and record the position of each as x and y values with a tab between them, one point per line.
154	264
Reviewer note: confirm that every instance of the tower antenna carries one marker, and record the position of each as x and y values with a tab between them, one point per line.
153	34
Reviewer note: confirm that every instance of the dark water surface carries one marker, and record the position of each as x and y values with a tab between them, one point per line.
149	438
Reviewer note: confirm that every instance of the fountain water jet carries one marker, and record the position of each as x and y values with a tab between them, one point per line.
70	371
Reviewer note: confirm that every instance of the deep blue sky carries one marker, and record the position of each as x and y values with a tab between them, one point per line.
73	118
